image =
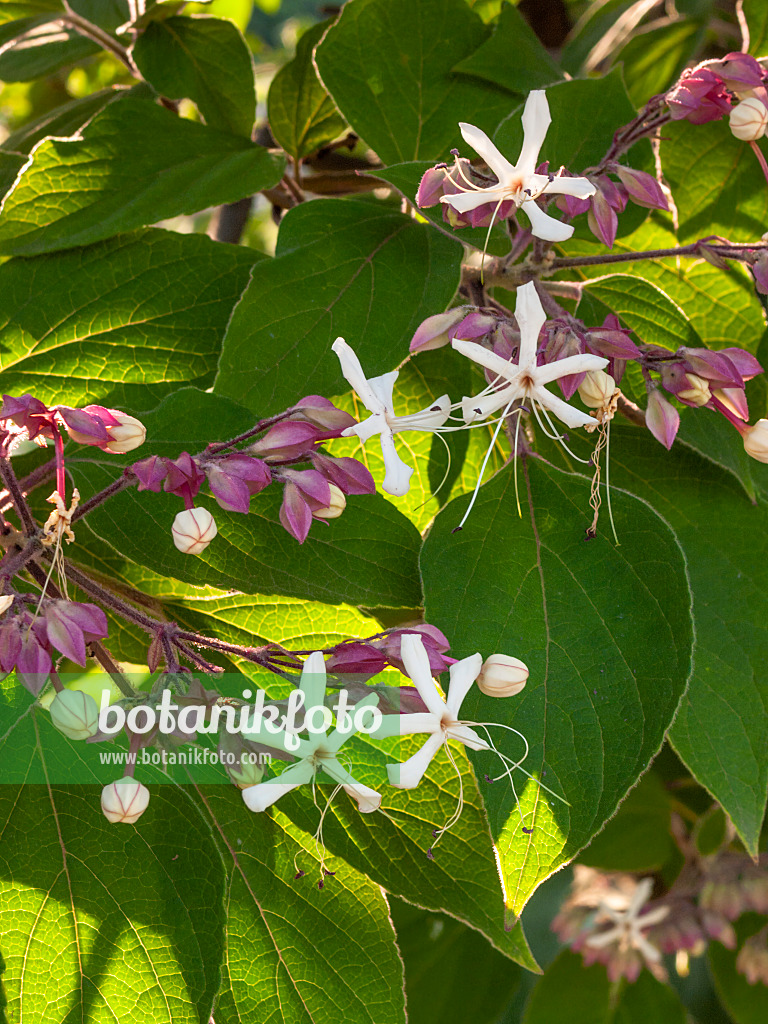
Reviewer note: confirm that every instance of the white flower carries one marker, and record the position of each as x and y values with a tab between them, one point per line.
629	923
525	380
519	182
442	718
318	752
124	801
376	395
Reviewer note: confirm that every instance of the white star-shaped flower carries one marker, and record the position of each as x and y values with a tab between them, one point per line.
519	183
627	931
525	380
441	719
318	752
376	395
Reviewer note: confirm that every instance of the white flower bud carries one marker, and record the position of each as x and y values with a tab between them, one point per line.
193	530
756	441
748	119
246	774
502	676
336	507
597	388
5	603
130	434
124	800
75	714
698	392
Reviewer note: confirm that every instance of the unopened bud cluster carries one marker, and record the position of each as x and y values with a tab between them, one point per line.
27	418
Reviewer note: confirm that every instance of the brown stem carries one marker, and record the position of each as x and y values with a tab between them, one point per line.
126	480
97	35
631	411
14	562
19	501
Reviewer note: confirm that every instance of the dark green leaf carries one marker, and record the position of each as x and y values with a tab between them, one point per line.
34	47
649	1000
531	67
122	322
646	309
206	60
122	922
343	267
10	165
757	19
135	164
604	630
396	87
301	114
61	121
653	60
569	993
746	1004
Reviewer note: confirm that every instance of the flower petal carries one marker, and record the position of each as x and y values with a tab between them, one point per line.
367	799
565	413
383	387
406	725
312	682
544	226
582	188
483	146
397	478
467	736
431	418
463	202
530	317
481	406
503	368
463	673
410	773
536	122
416	661
264	794
353	372
570	364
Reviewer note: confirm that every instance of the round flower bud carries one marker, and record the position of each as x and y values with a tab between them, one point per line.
245	774
748	119
698	392
124	800
756	441
75	714
502	676
130	433
193	530
336	507
5	603
597	388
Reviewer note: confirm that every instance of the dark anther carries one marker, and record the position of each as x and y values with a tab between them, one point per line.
590	533
430	854
299	875
527	830
327	872
321	884
457	529
488	778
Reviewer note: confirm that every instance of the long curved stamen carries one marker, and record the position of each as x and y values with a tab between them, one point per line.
440	832
514	464
608	481
496	209
508	760
555	435
472	186
484	464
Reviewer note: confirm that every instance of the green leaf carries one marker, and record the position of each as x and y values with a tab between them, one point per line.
652	60
61	121
123	922
585	115
121	323
10	165
360	270
649	1000
646	309
604	630
712	436
637	838
367	556
206	60
396	88
532	67
745	1003
135	164
452	975
301	114
38	46
757	20
297	954
716	182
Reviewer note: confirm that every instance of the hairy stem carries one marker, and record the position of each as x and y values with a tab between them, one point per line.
19	501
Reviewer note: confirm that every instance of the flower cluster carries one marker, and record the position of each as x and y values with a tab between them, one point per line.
734	86
234	477
27	418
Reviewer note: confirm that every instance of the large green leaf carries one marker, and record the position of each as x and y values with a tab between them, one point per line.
532	67
716	182
605	631
343	267
123	322
136	163
38	46
646	309
366	556
61	121
297	954
407	108
204	59
105	922
301	114
757	19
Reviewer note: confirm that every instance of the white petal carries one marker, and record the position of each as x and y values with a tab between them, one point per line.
603	939
416	663
397	476
263	795
383	386
483	146
582	188
544	226
332	743
503	368
406	725
570	364
481	406
353	372
431	418
368	800
312	683
530	317
566	413
368	428
410	773
463	673
536	122
463	202
467	736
